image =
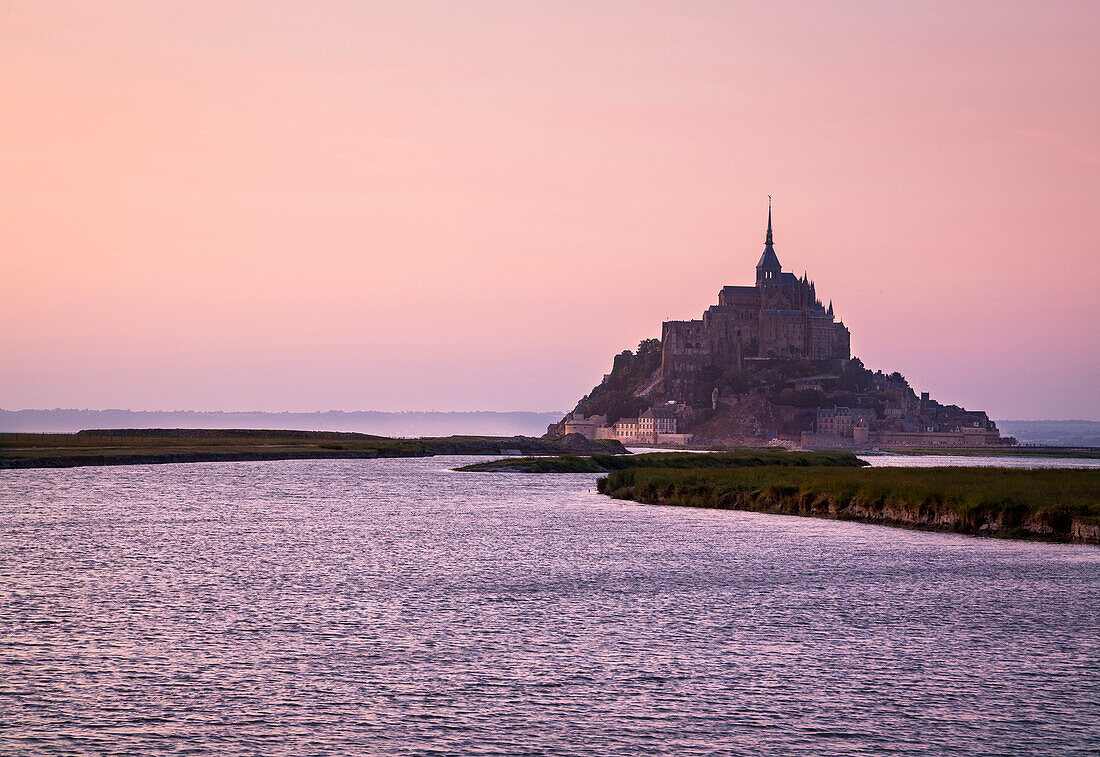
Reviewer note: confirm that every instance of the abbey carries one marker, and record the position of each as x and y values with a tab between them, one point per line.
779	317
768	363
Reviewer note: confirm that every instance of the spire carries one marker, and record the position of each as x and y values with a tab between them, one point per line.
768	239
768	261
830	308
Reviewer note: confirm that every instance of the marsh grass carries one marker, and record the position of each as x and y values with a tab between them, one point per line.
665	460
86	447
1008	501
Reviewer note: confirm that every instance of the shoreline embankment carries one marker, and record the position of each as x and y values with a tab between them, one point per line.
1049	504
607	463
162	446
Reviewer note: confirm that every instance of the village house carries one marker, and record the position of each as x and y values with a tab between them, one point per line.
657	425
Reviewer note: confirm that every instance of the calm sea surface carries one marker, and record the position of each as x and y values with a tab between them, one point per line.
972	461
397	607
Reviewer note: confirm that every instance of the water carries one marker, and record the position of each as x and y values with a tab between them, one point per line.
894	460
396	607
1007	461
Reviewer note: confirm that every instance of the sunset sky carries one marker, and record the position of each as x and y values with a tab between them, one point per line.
474	206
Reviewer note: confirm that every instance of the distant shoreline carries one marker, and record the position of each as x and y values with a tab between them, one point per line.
163	446
80	461
407	424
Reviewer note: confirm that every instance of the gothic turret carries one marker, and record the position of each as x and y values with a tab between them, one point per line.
768	269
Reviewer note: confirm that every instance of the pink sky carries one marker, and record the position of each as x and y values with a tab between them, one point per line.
350	205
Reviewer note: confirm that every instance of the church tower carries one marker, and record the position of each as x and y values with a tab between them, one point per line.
768	269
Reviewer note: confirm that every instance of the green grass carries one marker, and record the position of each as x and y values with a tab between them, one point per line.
556	464
664	460
157	441
187	445
1041	503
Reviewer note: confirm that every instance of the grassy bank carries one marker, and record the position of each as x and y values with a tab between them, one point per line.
664	460
149	446
1061	505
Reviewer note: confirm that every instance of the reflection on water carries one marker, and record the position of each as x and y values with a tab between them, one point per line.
397	607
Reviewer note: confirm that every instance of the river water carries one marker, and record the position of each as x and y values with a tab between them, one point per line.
973	461
397	607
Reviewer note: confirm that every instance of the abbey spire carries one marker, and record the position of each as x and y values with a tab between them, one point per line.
768	269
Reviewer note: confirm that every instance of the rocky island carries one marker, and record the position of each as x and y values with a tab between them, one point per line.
768	364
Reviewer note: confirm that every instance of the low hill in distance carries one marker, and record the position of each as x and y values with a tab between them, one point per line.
407	425
1054	433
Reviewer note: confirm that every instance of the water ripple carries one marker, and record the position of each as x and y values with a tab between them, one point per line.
395	607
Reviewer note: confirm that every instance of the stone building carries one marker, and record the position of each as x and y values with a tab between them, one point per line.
657	425
626	429
841	420
779	317
576	423
933	426
656	420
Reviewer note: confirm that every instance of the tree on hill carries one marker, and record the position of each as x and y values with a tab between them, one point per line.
649	348
614	397
800	398
854	377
